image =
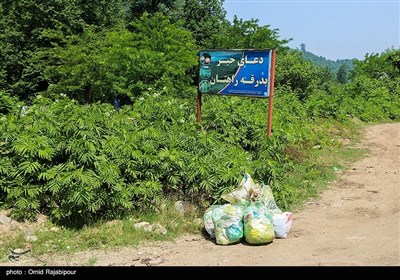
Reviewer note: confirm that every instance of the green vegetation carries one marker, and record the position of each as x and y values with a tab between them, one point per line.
71	156
333	66
166	224
314	170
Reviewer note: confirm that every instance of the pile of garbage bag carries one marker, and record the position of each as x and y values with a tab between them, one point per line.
251	213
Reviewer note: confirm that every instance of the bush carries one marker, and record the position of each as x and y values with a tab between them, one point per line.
81	163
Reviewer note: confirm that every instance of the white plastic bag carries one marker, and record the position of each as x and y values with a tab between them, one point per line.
282	224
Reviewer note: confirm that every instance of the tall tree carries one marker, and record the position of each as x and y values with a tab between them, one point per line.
30	25
101	13
204	18
99	65
247	34
303	47
342	74
172	8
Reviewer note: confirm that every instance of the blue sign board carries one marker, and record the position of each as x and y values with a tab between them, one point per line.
235	72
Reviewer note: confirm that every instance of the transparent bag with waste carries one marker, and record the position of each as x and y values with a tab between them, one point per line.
258	224
228	225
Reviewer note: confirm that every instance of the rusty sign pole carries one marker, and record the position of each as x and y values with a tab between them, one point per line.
198	107
271	94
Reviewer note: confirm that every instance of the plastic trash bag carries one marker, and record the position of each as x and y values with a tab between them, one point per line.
208	222
228	225
258	224
250	214
267	198
282	224
247	191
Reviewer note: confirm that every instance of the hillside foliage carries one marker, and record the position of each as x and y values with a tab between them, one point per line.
66	152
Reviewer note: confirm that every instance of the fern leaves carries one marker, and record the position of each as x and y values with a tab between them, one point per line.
82	163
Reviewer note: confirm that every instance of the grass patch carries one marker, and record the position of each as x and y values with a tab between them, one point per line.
308	177
91	262
167	224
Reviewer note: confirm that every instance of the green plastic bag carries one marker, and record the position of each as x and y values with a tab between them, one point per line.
258	224
228	225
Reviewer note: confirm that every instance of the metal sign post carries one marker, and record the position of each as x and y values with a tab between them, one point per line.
198	107
271	94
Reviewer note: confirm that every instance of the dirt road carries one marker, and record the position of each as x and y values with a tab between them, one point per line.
354	222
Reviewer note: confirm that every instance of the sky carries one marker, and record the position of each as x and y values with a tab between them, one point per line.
334	29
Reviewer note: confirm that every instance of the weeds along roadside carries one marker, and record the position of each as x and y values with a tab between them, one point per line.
312	169
52	239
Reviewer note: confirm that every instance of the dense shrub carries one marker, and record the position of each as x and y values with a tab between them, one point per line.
80	163
72	156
